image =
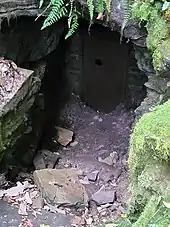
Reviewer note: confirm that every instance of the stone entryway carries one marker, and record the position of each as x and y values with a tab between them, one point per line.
100	64
104	68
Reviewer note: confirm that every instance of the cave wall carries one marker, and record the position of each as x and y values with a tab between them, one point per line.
22	41
133	31
96	66
103	72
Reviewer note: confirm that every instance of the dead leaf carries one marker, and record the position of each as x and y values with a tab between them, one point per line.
26	223
78	221
167	204
84	181
89	221
23	208
100	16
17	190
33	194
44	225
27	198
50	208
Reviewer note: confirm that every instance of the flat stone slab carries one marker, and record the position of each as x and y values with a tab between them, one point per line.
102	197
60	186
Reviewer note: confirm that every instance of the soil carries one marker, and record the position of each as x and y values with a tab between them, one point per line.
99	150
96	136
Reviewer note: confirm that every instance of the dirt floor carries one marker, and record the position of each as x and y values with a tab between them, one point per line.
98	151
100	146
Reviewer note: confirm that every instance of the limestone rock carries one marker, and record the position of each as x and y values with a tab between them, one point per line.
60	186
45	158
152	99
39	162
103	197
64	136
157	84
110	160
92	176
18	43
31	8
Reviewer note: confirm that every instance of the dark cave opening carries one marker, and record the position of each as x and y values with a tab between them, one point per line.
95	67
103	72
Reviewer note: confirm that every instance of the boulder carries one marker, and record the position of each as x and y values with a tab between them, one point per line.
61	187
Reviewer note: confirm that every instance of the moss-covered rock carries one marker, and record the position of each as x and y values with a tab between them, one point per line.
149	159
150	139
158	29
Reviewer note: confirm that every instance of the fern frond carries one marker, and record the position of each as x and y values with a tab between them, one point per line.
58	10
71	12
108	5
73	24
41	3
100	7
90	4
127	16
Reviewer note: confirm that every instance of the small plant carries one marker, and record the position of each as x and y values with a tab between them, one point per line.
58	9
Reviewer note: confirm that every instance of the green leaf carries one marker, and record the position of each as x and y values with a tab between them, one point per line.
100	6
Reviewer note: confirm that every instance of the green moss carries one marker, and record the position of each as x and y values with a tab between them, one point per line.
154	214
149	159
157	28
157	59
141	10
150	139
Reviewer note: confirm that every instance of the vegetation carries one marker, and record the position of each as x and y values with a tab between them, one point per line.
149	155
156	16
58	9
149	159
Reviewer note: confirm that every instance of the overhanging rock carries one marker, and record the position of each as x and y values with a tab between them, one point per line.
14	110
10	8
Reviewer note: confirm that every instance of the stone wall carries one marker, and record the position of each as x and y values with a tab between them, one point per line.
75	70
23	42
157	86
133	32
74	63
15	113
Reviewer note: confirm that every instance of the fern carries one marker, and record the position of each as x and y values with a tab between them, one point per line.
71	12
90	4
58	10
41	3
73	24
108	5
100	7
127	16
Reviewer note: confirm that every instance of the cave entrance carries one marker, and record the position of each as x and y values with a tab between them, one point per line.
98	66
103	68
